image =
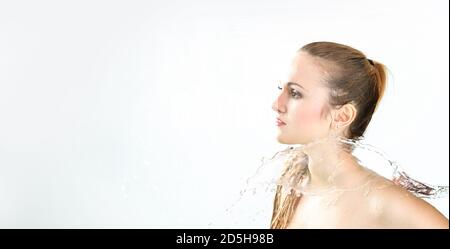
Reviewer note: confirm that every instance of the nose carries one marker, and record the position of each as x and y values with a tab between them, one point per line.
278	105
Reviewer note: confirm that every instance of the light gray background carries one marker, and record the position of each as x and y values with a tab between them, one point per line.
153	113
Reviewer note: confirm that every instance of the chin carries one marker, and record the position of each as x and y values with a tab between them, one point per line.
289	140
282	140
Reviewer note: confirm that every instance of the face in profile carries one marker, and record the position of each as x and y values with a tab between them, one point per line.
302	103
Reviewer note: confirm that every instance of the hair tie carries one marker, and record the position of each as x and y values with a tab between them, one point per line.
371	62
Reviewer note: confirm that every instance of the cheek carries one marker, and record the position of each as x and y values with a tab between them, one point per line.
309	115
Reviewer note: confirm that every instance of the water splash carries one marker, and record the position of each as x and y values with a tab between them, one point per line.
399	176
263	181
293	162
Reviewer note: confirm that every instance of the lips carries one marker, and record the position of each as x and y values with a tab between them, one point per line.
279	121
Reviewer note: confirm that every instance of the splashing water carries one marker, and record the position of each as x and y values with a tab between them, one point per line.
399	176
294	176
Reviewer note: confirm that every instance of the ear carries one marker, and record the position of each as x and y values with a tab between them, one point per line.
344	116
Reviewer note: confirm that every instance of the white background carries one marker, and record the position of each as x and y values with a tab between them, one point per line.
153	113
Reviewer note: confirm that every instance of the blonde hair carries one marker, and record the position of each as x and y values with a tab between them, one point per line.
284	209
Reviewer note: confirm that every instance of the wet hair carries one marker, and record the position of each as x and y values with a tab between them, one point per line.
351	78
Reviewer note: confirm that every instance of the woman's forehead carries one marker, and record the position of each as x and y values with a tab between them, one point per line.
306	71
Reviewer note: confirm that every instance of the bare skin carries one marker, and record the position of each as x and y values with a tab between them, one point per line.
385	206
374	203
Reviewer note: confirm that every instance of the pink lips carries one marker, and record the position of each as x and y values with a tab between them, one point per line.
280	123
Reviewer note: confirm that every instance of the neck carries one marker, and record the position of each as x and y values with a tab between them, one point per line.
328	163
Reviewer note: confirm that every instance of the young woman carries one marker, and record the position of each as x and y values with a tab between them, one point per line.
332	92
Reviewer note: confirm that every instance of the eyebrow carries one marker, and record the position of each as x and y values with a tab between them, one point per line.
293	83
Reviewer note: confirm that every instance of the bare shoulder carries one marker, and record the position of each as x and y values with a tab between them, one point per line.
402	209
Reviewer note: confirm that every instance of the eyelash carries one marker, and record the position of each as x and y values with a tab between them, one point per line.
293	92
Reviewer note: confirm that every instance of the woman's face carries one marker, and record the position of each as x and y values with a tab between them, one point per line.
303	107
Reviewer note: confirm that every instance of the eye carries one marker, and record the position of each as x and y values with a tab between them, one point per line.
279	87
295	94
